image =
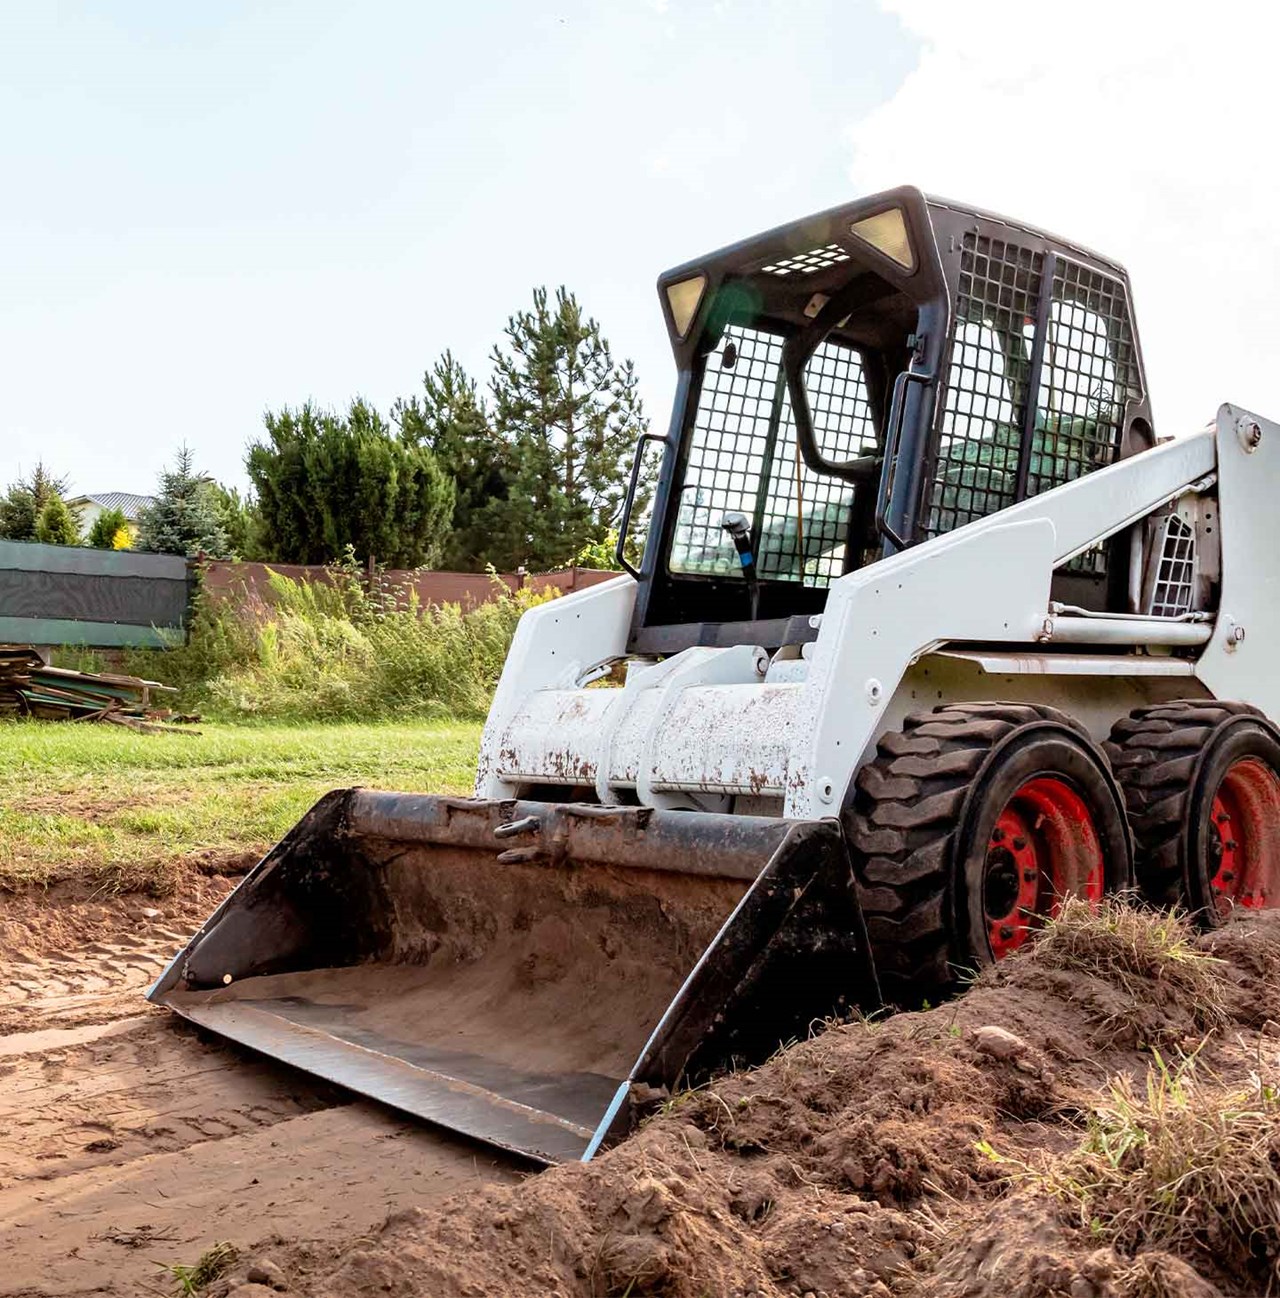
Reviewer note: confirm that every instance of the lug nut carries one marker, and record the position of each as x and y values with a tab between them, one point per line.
1006	932
997	835
1231	846
1019	843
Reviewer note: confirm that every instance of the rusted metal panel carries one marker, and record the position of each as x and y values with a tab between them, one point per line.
725	739
728	738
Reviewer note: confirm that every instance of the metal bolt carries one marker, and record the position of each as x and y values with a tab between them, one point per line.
997	835
1228	876
1029	876
1006	932
1231	846
1019	843
1249	431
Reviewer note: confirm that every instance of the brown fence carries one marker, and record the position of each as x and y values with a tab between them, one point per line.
249	580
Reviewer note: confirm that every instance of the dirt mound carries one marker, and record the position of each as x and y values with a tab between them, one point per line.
912	1156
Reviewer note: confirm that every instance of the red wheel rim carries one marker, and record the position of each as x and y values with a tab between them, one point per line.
1043	847
1244	838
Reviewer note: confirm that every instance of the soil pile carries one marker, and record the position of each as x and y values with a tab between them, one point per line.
944	1154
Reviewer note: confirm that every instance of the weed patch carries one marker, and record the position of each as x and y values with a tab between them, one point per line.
1184	1165
1140	972
333	651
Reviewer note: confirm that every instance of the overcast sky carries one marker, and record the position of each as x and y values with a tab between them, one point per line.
212	210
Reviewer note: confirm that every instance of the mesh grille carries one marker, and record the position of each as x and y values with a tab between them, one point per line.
1089	370
1174	588
743	456
736	410
813	535
975	470
805	263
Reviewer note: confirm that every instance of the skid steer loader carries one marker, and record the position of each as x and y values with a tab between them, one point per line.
930	632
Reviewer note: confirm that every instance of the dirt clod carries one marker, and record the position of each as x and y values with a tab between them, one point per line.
264	1271
998	1042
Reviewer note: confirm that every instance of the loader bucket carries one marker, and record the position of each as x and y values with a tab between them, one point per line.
530	974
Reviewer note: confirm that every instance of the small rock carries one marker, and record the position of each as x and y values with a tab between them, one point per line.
252	1291
999	1043
266	1272
150	912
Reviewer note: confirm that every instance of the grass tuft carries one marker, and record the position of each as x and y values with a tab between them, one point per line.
1183	1165
1142	953
212	1264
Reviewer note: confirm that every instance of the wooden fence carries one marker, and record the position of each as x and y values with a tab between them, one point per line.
249	581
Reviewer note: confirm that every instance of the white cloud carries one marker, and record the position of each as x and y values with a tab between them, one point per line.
1146	131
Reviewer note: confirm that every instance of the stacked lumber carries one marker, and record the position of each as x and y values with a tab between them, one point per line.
29	688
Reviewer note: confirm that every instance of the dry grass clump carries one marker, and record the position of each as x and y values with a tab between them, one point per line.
1185	1166
191	1280
1145	954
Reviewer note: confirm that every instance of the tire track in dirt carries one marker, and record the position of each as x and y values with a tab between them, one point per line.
128	1137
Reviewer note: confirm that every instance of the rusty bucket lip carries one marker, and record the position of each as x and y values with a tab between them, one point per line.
776	859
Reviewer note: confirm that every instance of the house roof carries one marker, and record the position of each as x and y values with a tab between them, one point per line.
129	504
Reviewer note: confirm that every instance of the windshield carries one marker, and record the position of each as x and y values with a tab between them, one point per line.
743	457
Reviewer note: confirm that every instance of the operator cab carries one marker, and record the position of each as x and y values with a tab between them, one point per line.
861	381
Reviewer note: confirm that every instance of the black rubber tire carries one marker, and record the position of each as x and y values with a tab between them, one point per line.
919	820
1170	759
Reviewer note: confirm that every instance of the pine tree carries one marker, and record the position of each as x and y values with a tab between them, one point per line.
102	535
326	482
184	518
56	525
240	521
571	417
21	505
451	420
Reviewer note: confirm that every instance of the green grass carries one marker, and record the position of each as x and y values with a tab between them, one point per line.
106	805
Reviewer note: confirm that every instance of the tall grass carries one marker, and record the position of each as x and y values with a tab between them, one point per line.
339	651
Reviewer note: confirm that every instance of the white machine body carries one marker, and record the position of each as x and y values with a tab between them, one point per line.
963	616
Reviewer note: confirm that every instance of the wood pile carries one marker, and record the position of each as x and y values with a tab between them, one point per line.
28	688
